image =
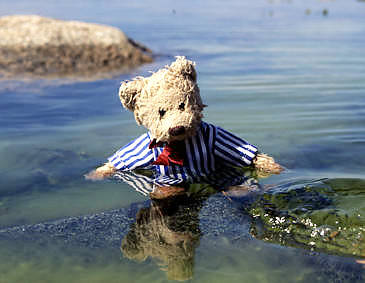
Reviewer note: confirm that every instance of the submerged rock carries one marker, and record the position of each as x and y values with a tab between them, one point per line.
106	229
38	47
325	215
167	232
41	169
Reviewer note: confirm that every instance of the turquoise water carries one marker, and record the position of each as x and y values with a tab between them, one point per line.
278	73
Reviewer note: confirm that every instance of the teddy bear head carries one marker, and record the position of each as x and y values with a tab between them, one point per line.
167	103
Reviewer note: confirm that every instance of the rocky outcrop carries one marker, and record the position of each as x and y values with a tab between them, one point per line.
34	46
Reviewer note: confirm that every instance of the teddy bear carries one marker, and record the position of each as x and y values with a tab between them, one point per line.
174	216
178	144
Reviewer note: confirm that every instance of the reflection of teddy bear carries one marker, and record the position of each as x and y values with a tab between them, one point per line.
167	233
179	143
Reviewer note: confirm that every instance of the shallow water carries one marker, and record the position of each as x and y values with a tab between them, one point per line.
285	79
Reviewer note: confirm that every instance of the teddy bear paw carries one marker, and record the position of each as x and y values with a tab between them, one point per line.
101	173
266	165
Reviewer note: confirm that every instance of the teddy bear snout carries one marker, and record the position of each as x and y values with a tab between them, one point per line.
176	131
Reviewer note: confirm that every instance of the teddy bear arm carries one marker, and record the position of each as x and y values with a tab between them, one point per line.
134	155
233	150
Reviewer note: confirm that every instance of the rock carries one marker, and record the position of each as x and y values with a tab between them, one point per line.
167	232
220	217
324	215
38	47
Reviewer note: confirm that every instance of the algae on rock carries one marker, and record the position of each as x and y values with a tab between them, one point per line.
324	215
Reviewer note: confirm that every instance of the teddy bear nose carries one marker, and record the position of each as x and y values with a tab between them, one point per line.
176	131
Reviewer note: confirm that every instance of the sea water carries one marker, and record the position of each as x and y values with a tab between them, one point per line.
288	76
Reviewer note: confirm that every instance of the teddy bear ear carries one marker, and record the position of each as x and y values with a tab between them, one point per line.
129	91
184	67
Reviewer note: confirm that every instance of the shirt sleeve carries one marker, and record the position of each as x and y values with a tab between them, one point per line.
134	155
232	149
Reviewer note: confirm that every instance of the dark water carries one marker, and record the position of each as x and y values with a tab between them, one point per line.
281	74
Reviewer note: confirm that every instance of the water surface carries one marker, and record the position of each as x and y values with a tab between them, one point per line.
278	73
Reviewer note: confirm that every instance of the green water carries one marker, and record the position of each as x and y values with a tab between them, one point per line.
284	78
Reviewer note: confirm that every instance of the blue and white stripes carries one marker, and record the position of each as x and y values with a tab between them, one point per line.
220	180
234	150
135	154
211	149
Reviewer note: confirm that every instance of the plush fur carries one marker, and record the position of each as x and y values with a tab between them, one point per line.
169	105
169	98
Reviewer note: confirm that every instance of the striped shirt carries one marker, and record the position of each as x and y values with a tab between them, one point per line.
211	149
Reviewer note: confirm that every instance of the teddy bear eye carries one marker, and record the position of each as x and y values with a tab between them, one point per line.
162	112
182	106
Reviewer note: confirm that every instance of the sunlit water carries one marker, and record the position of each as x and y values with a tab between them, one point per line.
278	73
